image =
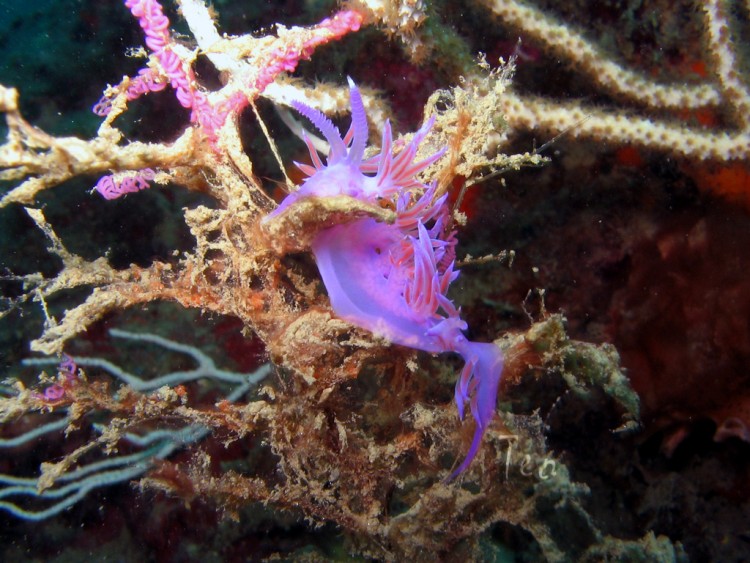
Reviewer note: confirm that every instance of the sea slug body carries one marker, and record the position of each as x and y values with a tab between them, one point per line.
392	278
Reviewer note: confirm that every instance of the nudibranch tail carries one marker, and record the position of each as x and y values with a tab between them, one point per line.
478	385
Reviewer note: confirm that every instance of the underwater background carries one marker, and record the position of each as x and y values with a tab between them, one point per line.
618	291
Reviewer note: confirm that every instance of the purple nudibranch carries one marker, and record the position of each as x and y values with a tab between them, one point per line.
392	279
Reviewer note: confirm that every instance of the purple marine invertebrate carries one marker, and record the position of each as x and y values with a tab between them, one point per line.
392	279
344	172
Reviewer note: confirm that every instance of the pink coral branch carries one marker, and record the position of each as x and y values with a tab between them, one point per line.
148	80
155	26
298	44
281	55
113	186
